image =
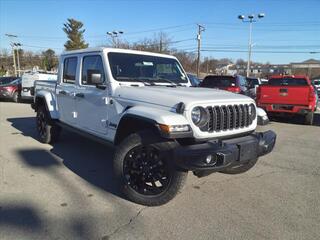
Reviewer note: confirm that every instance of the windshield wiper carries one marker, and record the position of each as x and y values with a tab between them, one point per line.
146	83
169	81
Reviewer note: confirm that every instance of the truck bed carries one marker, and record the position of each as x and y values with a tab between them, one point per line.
47	85
291	94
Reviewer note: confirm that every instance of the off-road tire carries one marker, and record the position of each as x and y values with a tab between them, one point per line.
308	119
147	138
240	169
48	131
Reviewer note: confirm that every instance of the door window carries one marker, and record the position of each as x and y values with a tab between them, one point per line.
69	70
91	65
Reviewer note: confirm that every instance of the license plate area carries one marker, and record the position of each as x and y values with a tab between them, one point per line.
248	150
282	107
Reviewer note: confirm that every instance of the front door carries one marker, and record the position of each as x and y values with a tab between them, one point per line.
92	103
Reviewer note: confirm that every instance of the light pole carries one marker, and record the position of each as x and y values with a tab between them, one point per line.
251	19
200	30
114	37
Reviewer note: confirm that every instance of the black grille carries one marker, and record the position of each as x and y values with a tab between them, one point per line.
227	117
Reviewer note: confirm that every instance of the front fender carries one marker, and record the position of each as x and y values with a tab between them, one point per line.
50	101
158	115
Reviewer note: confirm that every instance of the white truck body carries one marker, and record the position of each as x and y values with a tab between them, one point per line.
142	104
75	111
28	81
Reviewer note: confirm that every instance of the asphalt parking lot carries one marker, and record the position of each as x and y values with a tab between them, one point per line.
66	191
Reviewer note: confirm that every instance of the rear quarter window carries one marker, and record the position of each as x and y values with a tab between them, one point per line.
70	69
218	81
288	82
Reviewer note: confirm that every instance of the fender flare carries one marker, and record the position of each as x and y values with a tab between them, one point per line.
50	102
141	117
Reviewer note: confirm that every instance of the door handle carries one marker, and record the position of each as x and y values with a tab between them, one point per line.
63	92
80	95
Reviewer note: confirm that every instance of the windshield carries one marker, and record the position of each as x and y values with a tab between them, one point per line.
218	81
253	81
287	82
6	80
135	67
194	80
316	82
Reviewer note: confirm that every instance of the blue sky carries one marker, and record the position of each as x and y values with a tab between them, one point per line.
289	25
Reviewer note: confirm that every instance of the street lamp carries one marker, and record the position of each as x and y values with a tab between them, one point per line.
251	19
114	35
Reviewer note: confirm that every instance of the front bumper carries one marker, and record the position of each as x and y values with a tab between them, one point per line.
224	154
5	93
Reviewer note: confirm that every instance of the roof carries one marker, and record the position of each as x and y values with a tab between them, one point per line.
288	76
106	50
309	61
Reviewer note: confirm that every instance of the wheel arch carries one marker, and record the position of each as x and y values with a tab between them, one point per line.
131	123
48	100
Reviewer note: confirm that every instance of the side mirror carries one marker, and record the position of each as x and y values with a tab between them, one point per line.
95	78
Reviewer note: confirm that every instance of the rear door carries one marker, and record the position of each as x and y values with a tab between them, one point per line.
66	88
291	91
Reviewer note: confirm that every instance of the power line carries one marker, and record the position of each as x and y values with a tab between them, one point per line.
259	51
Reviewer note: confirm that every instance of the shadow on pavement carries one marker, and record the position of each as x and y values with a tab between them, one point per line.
24	217
90	160
298	120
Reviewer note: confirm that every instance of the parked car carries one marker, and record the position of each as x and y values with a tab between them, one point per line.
288	95
141	104
253	84
235	84
316	83
10	88
194	80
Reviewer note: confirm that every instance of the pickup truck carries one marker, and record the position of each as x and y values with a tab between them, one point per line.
140	103
288	95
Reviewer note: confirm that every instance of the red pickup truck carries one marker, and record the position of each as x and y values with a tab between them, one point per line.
288	95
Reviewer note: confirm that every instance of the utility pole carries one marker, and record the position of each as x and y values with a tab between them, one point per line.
249	48
11	36
251	20
200	30
160	46
14	59
18	58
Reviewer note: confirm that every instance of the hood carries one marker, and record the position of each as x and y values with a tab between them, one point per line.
170	96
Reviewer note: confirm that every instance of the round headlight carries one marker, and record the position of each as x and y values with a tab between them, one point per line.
196	115
199	116
252	111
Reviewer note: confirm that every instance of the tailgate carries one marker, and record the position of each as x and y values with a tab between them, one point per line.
293	95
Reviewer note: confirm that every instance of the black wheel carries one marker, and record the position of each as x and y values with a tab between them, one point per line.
308	119
241	168
15	97
145	171
47	130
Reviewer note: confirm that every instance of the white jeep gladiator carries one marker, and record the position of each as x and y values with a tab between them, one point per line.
161	128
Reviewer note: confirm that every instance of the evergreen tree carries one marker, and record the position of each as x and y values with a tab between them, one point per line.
73	30
49	59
